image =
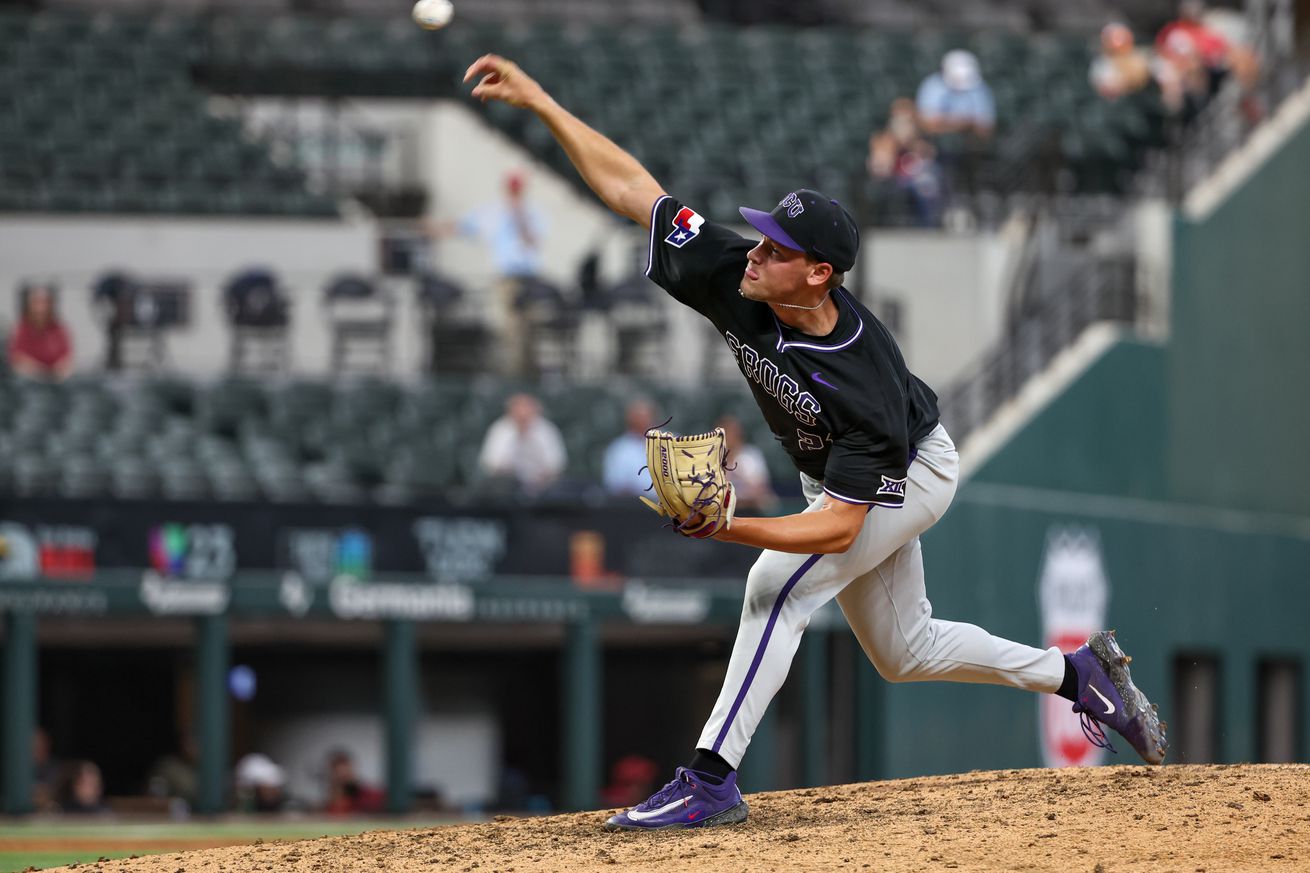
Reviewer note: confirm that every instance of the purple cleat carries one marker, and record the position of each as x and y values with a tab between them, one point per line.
1107	695
687	802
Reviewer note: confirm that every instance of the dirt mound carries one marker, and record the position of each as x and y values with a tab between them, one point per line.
1100	820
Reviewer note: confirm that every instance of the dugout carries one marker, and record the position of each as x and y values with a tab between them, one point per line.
560	681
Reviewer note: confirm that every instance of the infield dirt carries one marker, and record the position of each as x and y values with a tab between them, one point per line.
1198	819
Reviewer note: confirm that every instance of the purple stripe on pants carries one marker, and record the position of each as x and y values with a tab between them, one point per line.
764	642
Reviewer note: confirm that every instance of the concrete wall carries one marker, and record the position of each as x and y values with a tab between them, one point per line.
951	291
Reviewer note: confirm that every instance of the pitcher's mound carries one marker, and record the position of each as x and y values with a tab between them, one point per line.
1099	820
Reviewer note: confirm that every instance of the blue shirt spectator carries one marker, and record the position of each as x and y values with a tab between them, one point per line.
626	454
513	230
957	99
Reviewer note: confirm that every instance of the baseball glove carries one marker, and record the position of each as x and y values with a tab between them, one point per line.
690	481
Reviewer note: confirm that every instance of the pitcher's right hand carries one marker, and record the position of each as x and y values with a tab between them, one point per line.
504	80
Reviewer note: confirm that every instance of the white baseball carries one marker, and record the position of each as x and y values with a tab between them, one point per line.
433	14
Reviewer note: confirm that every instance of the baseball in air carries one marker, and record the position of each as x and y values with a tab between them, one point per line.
433	14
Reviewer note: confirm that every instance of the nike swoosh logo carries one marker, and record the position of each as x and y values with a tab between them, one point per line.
638	815
817	378
1109	707
692	816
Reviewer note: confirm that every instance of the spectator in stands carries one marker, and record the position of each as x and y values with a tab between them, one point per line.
747	470
260	784
1211	46
904	164
957	110
1234	28
1182	75
957	100
1204	47
175	775
513	230
625	457
346	793
83	789
1121	68
523	447
45	772
39	347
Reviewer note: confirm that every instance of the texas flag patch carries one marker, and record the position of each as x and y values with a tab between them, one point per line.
686	227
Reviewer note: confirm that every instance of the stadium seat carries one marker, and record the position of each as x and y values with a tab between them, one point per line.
182	479
82	476
132	478
32	475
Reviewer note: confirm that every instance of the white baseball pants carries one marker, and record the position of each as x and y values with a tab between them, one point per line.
879	585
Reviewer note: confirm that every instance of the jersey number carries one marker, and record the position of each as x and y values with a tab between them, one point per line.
808	442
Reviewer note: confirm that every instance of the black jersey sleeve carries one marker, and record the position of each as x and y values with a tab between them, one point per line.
691	258
870	463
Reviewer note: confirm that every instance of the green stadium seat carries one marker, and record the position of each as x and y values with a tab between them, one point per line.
332	481
82	477
132	478
411	475
230	480
32	475
282	484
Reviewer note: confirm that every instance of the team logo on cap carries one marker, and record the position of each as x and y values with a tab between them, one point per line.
792	203
686	227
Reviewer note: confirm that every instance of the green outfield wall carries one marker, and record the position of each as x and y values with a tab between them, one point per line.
1106	434
1181	581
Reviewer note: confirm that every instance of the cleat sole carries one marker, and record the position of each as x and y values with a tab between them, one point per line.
1136	706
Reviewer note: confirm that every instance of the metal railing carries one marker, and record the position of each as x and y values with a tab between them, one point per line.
1102	288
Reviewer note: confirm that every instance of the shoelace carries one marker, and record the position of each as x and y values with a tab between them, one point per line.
661	797
1093	731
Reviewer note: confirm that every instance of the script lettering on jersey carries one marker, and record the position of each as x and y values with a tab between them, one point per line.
799	404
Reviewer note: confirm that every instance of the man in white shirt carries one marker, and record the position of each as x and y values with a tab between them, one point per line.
523	446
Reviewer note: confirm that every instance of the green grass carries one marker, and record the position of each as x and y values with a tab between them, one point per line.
15	862
155	836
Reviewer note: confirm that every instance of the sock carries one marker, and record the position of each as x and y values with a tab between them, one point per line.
712	765
1069	687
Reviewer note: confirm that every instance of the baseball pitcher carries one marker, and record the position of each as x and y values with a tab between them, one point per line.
877	469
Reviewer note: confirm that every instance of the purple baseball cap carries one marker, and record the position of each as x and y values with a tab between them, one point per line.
809	222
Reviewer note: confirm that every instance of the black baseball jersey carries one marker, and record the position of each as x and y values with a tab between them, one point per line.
844	406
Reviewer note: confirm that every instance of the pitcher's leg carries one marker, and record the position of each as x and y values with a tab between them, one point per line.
781	595
889	612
